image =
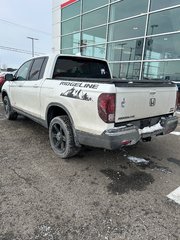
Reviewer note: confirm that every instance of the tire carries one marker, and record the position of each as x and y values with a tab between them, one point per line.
9	112
62	138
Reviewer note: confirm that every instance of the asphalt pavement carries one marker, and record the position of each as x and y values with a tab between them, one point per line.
111	195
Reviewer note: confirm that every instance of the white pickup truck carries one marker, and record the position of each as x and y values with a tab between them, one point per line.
80	103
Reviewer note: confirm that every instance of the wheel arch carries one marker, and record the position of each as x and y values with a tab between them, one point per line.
57	109
4	93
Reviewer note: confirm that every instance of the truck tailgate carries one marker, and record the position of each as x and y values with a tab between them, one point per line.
137	102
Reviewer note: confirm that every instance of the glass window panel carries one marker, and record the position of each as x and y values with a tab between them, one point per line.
169	70
126	70
91	4
80	67
158	4
94	36
163	47
71	10
128	8
94	18
127	29
70	41
165	21
125	51
70	26
35	70
72	51
94	51
23	71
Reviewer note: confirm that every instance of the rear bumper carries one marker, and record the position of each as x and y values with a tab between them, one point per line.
127	135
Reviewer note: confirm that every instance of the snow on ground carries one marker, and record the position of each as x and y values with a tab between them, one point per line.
175	195
138	160
175	133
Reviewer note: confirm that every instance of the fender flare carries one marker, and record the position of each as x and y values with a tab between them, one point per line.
55	104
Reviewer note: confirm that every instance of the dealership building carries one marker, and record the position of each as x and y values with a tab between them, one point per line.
139	38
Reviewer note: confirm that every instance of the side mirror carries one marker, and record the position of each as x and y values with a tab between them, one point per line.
9	77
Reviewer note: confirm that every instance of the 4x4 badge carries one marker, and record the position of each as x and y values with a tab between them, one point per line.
152	102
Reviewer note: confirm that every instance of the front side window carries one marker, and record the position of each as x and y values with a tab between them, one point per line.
22	73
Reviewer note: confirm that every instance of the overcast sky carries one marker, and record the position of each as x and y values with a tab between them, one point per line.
29	18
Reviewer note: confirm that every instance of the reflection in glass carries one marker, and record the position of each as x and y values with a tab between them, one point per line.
91	4
70	26
125	51
165	21
71	10
126	70
127	29
128	8
163	47
70	41
72	51
158	4
94	36
94	51
95	18
168	70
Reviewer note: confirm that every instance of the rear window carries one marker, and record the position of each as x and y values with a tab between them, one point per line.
77	67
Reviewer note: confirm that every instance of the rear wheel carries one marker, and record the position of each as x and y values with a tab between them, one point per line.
62	138
9	112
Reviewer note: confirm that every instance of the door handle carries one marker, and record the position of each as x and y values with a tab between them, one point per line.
35	86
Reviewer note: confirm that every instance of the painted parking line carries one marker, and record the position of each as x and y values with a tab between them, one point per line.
175	133
175	195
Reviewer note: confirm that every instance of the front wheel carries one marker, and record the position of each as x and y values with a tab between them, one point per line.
62	138
9	112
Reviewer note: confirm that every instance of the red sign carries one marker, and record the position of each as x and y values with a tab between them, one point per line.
68	3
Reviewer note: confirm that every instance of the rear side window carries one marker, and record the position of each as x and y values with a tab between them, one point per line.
80	68
36	72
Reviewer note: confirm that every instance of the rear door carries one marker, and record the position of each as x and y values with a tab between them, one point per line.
143	100
32	86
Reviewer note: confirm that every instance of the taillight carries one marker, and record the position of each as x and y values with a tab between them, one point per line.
106	107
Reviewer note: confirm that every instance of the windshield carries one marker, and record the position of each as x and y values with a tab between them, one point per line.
78	67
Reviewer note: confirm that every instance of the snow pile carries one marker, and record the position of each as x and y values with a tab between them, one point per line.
175	133
151	129
138	160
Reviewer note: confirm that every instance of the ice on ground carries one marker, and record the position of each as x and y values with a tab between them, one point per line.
175	133
175	195
138	160
151	129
